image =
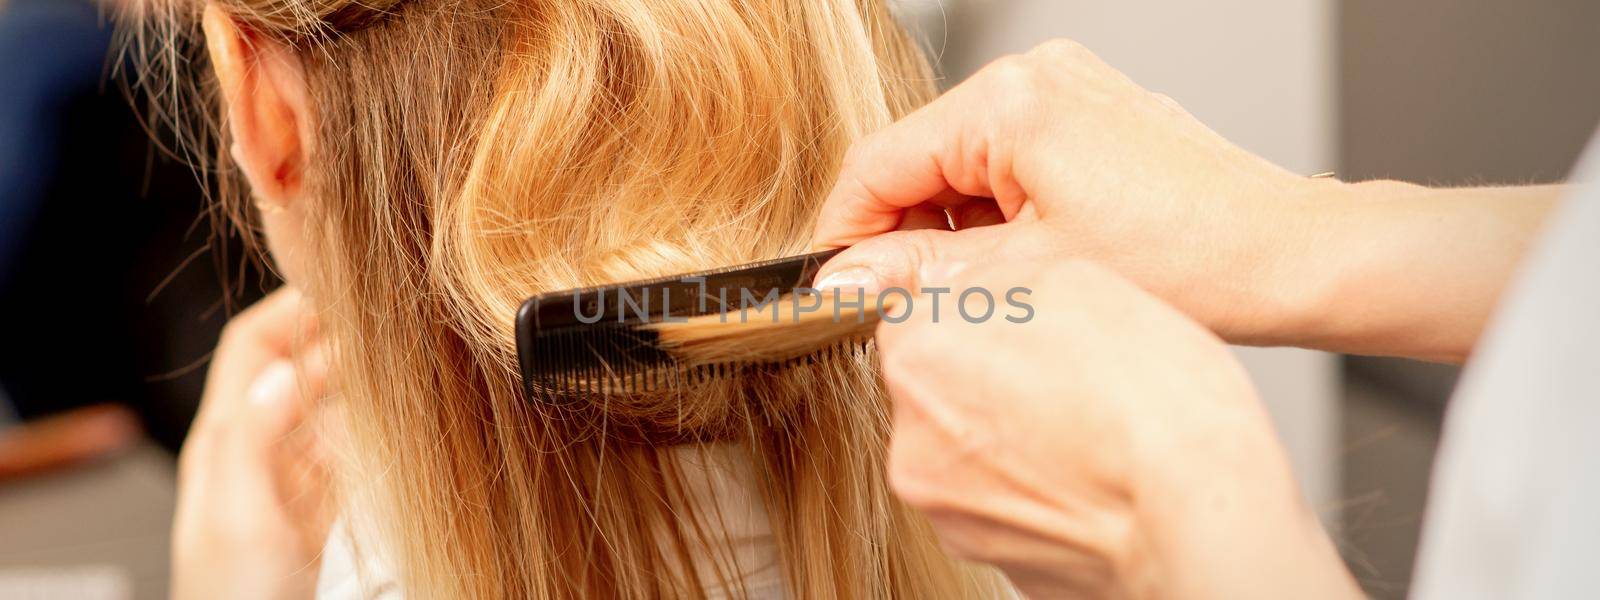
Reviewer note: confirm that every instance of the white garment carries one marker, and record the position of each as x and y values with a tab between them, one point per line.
721	483
346	575
1515	506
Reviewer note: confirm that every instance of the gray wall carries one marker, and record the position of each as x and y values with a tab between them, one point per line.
1461	92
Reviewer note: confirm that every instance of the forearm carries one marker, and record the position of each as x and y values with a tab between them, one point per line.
1390	268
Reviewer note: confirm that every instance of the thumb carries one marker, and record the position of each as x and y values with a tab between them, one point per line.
910	259
286	390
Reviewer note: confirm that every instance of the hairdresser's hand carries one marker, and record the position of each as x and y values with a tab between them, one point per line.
1109	447
1075	160
252	512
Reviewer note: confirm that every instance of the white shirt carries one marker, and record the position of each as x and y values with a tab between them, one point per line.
1515	506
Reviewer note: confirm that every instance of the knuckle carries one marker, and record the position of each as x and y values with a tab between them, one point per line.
898	257
961	551
932	498
1060	49
936	500
897	357
910	483
230	331
1169	103
197	451
189	458
1083	271
852	156
237	329
858	155
956	542
1016	86
920	246
1066	65
999	65
1013	75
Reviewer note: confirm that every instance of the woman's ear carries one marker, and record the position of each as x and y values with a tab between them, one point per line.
263	86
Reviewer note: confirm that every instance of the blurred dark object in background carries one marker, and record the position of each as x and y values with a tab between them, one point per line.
111	288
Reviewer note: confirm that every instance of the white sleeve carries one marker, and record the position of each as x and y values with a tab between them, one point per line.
1514	510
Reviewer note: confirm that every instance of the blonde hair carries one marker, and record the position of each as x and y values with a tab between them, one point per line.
471	153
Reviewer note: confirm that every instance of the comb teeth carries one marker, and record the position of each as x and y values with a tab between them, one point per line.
602	378
588	342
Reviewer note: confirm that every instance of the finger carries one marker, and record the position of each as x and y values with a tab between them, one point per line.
313	366
892	260
926	362
898	259
237	459
918	160
273	403
284	392
912	446
277	321
265	332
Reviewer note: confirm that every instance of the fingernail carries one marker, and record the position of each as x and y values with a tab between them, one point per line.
850	280
274	384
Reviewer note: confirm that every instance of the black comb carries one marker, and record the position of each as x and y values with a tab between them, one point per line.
595	341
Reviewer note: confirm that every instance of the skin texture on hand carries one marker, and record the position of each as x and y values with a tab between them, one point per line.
1076	161
252	511
1054	154
1109	447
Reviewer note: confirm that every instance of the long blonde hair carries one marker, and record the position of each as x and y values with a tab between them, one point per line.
473	152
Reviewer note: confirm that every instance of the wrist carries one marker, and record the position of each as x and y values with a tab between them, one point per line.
1340	253
1309	236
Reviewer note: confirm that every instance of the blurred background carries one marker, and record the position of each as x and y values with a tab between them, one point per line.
113	285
